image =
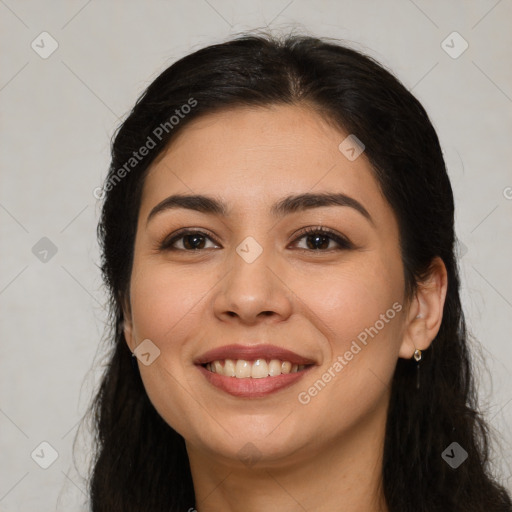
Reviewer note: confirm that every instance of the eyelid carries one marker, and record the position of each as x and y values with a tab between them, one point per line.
168	241
343	242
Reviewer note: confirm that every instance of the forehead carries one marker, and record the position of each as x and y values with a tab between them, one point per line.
251	157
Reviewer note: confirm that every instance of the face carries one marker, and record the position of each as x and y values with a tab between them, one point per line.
262	272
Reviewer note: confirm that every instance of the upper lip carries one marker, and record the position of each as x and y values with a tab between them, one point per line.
251	353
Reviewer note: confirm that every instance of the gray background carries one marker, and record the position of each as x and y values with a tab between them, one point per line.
57	116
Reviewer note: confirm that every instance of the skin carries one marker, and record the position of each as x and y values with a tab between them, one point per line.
322	455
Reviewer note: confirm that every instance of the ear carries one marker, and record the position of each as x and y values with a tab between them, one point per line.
426	311
127	323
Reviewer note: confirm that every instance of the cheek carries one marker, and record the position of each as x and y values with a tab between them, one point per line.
167	309
359	310
343	302
165	301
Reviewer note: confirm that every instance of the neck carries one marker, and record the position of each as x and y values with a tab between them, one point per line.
344	474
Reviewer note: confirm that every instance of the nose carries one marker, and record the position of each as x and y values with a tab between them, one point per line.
254	291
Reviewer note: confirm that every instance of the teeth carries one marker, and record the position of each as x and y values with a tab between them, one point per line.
229	368
286	367
258	369
243	369
274	368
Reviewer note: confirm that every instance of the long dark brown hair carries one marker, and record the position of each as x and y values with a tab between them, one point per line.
140	463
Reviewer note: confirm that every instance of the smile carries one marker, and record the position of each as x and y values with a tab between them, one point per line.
252	371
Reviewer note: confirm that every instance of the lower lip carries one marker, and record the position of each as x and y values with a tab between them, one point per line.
249	387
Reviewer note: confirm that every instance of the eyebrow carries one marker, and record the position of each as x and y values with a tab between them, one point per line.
285	206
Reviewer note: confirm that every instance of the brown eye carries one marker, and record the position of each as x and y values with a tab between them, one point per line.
189	240
320	239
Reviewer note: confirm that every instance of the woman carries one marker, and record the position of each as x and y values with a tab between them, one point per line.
278	242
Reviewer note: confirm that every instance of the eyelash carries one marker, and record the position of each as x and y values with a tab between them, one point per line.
343	243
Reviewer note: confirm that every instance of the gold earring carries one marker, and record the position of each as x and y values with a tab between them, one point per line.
417	355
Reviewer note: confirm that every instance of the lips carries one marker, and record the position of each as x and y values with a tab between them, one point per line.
252	353
283	369
252	388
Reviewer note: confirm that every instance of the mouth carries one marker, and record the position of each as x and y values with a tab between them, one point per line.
252	371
